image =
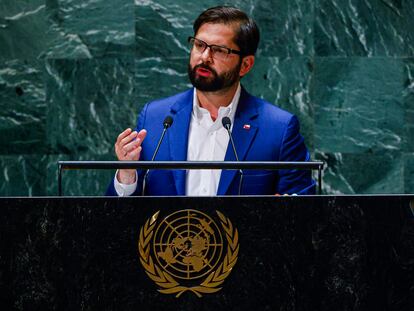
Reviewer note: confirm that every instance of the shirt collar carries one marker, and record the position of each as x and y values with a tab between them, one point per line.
228	111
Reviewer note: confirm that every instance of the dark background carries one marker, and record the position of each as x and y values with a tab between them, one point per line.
295	253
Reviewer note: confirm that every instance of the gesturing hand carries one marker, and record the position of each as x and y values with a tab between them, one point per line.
128	148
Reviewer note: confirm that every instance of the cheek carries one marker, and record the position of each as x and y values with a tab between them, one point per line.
194	60
234	67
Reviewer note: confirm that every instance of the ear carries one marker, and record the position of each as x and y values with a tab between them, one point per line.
246	65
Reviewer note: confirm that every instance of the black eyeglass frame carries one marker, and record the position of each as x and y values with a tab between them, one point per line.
229	50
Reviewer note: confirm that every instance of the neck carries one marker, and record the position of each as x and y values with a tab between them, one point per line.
212	101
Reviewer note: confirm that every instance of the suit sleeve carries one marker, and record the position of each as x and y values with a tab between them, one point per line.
293	149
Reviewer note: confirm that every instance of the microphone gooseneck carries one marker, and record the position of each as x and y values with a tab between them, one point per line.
168	121
227	125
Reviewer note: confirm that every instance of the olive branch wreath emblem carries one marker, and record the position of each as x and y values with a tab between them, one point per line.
167	284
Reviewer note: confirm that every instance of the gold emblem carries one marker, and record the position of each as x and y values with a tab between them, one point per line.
189	250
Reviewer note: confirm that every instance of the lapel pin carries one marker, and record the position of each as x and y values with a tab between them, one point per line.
246	126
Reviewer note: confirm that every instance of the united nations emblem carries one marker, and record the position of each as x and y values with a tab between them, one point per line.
189	250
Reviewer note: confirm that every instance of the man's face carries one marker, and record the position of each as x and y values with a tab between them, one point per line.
208	73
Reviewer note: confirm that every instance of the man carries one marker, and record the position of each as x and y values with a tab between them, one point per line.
222	52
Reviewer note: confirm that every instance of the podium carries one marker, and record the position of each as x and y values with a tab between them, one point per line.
281	253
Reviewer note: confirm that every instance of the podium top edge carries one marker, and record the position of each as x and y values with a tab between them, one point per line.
269	165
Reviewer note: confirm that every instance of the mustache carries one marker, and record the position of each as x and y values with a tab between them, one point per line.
204	66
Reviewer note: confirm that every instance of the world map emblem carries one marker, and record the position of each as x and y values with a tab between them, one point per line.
188	251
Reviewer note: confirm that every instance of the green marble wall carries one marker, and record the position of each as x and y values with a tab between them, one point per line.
74	73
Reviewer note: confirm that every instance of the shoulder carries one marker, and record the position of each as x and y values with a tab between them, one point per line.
266	111
155	111
167	103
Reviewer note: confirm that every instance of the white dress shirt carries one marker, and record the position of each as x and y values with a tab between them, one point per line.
207	141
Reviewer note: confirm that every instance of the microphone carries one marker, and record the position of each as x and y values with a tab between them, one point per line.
168	121
227	125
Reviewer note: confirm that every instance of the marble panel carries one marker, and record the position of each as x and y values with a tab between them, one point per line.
364	28
409	173
286	26
24	30
22	108
358	104
160	77
347	173
408	99
162	27
85	182
285	82
89	103
22	175
91	28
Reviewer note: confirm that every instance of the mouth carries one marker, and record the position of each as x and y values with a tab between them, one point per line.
203	72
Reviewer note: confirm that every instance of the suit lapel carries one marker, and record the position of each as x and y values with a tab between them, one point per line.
244	131
178	136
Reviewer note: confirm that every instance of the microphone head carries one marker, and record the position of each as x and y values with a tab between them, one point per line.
226	122
168	121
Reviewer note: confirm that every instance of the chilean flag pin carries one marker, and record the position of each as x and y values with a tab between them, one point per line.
246	126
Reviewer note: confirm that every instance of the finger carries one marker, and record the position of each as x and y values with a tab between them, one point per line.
121	151
128	139
133	137
134	154
142	134
120	154
131	146
124	134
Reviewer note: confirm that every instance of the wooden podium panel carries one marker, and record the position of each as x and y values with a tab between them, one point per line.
278	253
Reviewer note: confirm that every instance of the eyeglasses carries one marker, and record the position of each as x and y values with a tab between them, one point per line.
217	51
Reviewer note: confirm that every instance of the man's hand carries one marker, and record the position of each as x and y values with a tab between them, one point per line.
128	148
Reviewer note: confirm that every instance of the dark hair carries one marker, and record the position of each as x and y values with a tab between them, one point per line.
247	33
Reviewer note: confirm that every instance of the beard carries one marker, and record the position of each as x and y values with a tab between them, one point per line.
215	82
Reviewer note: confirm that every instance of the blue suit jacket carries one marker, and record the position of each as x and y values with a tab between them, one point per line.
273	136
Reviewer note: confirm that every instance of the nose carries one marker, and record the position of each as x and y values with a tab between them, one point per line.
207	55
